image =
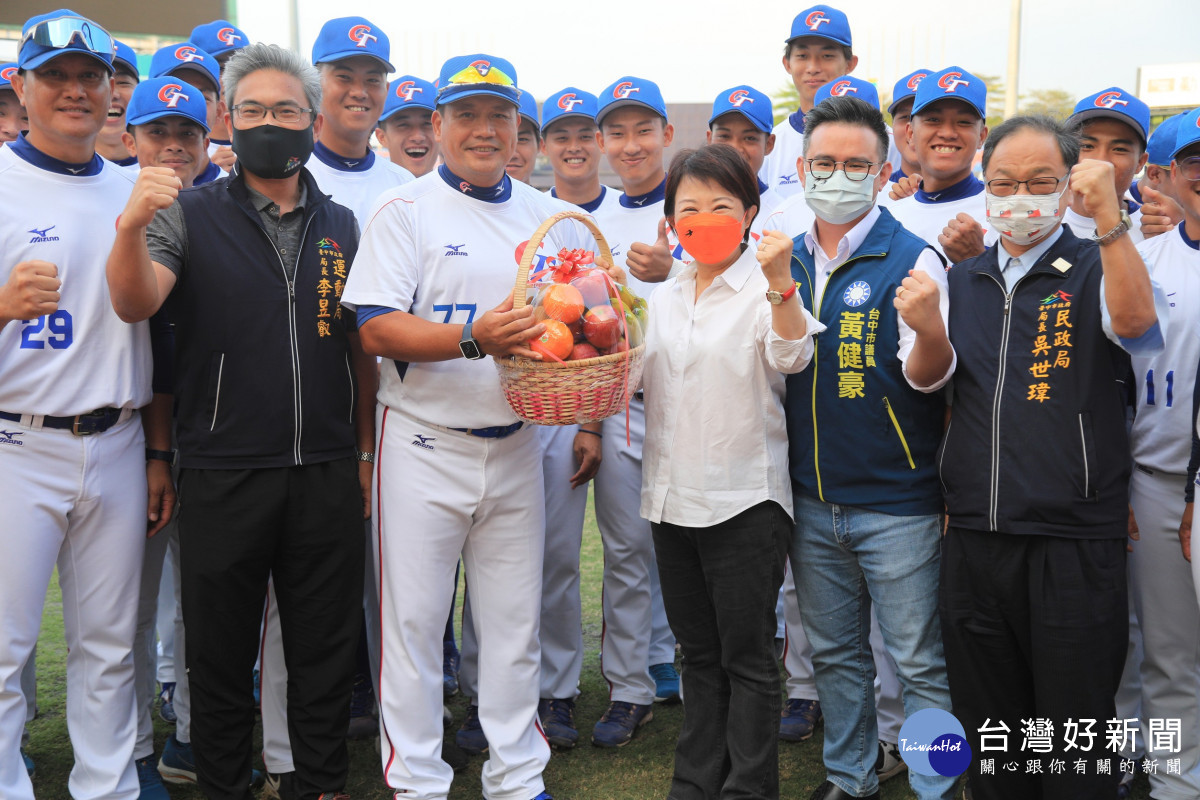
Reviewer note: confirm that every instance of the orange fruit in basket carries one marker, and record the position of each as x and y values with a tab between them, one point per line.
558	339
563	302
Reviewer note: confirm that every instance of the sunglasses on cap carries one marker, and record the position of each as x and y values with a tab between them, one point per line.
65	31
472	74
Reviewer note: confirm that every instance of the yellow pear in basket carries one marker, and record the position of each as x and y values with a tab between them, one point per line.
633	329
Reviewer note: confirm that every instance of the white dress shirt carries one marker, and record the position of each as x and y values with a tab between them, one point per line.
928	262
716	439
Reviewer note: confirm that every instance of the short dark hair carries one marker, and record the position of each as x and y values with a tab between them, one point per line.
850	111
1064	135
718	164
847	51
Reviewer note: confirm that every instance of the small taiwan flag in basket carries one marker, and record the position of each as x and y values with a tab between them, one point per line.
593	345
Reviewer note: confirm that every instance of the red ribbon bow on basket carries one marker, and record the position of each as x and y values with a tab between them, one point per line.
564	267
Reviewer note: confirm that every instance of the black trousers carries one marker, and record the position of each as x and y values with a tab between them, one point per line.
303	527
1035	627
719	587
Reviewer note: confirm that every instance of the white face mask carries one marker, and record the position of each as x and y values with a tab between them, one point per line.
1023	219
837	199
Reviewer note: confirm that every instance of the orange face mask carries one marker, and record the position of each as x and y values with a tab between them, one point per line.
709	238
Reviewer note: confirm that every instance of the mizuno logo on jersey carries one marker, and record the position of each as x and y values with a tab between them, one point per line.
42	235
787	180
361	34
10	437
640	201
423	442
455	249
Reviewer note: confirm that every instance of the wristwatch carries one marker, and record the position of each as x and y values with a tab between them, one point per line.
470	345
161	455
1116	233
775	298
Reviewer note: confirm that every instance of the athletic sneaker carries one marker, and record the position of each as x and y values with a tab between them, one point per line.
453	755
149	781
799	719
558	722
889	764
28	762
619	723
166	709
363	724
177	764
666	683
829	791
470	736
271	786
450	662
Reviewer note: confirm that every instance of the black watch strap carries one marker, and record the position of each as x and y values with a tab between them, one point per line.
161	455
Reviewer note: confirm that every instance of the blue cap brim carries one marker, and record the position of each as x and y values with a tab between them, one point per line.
330	58
33	62
958	99
756	123
1080	117
153	115
567	115
623	103
452	93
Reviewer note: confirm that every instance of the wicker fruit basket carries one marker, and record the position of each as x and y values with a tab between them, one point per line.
569	392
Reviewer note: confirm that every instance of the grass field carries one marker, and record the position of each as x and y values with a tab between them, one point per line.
639	771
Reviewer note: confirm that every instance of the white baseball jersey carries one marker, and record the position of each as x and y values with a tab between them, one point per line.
769	201
779	168
927	213
1083	227
216	144
1161	437
608	198
636	220
355	183
82	356
792	216
445	256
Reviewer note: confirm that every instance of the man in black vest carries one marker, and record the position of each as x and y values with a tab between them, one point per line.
269	420
1035	466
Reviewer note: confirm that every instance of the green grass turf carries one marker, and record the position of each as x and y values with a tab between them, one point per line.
639	771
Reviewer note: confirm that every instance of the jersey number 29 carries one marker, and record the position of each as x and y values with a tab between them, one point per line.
53	329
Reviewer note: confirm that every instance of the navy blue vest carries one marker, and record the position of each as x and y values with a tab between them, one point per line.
859	434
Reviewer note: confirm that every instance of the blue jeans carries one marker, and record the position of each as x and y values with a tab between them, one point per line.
844	559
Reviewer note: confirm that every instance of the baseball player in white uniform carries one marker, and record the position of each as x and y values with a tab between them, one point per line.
406	125
1162	583
352	55
456	471
817	50
221	39
110	143
199	68
72	376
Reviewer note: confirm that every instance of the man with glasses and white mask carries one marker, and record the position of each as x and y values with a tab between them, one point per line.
1036	461
268	423
863	425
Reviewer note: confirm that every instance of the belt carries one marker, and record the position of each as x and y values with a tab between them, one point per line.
97	421
494	432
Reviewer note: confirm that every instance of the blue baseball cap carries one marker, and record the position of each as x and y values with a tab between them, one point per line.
125	57
747	101
1114	103
529	111
569	102
953	83
6	74
1161	144
476	74
346	37
848	86
822	21
219	37
630	91
185	57
156	98
1188	133
48	36
408	91
906	87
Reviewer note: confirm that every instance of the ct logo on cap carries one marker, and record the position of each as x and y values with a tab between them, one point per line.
568	101
740	96
624	89
841	89
915	80
406	90
227	36
171	94
814	20
1110	100
187	53
361	34
951	81
7	73
482	67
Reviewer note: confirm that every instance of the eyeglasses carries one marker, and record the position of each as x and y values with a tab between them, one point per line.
1004	187
63	31
855	169
283	112
1190	167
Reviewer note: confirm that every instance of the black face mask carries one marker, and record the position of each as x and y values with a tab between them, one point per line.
270	151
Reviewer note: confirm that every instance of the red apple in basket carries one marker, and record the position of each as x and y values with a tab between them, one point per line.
583	350
594	288
601	326
621	346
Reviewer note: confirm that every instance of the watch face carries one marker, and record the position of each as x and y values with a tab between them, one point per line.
470	349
